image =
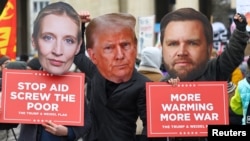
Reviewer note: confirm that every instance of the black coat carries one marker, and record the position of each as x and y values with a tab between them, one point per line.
114	118
7	126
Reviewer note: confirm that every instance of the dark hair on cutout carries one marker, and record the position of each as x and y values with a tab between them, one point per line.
187	14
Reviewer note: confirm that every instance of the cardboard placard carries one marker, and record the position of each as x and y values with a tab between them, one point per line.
32	97
185	110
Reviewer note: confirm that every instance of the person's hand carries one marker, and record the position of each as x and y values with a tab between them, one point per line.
85	16
58	130
174	81
240	22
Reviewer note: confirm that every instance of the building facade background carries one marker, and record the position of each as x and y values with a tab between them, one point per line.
28	9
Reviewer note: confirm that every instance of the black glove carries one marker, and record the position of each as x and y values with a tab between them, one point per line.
241	25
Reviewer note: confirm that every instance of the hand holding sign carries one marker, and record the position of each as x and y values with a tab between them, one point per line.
55	129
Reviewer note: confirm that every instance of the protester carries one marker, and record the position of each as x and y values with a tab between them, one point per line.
151	59
187	42
237	75
118	90
11	131
122	99
4	59
198	45
34	64
241	98
21	65
24	57
57	37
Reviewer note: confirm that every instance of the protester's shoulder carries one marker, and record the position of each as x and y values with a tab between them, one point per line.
213	64
141	77
243	83
243	88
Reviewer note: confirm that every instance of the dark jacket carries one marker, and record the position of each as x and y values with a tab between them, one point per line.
114	118
7	126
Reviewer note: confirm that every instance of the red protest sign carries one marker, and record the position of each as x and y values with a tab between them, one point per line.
185	110
32	97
